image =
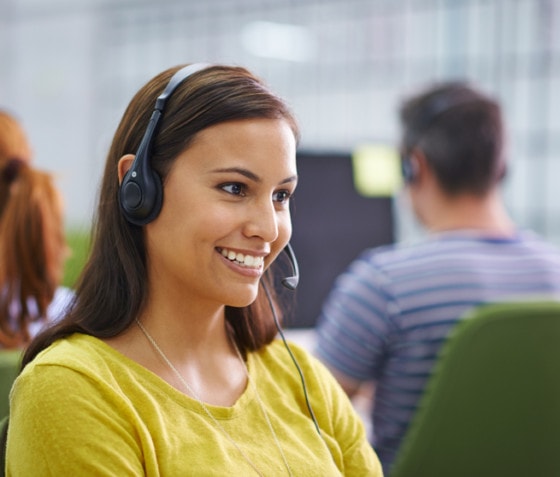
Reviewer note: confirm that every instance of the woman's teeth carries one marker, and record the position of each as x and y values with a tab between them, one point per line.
244	260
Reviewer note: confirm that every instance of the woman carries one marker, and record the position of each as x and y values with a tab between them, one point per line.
167	364
32	252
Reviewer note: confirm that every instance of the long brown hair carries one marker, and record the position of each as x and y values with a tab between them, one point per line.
111	290
32	246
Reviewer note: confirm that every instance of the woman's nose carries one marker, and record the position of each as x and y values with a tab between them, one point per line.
262	221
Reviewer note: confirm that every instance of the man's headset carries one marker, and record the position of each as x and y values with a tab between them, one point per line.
141	191
430	113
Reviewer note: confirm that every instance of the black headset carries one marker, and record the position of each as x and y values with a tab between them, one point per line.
141	191
431	112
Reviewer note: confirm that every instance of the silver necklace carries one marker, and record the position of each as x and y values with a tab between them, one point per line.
217	423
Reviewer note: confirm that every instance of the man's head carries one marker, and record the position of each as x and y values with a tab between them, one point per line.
457	132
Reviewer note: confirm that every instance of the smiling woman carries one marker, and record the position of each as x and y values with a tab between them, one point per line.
170	350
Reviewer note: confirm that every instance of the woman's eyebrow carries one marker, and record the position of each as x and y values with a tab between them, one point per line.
250	175
290	179
239	170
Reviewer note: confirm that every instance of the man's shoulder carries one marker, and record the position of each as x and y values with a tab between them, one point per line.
400	252
532	239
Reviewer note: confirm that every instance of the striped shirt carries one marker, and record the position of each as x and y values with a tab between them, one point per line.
389	313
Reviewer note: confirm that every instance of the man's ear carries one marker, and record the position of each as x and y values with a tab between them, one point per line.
419	164
125	163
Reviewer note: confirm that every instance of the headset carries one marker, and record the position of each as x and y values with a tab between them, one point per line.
141	191
431	112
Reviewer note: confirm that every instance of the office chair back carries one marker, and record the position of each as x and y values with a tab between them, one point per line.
492	405
9	367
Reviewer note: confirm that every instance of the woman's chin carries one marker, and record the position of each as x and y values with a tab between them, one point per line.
243	299
240	303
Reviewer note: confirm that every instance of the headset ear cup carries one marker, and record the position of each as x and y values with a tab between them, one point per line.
141	198
141	190
408	169
156	200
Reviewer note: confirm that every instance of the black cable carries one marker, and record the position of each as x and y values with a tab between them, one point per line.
304	386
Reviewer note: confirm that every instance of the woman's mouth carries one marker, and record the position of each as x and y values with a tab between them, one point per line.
248	261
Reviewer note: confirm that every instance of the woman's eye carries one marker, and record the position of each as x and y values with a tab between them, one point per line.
282	196
234	188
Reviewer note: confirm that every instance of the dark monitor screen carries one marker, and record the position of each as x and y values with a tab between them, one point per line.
332	224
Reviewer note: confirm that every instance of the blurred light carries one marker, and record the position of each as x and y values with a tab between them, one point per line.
278	40
377	170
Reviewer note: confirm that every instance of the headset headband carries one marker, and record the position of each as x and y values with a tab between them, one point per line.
141	193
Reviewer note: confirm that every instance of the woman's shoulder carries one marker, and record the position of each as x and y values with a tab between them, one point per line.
82	366
78	353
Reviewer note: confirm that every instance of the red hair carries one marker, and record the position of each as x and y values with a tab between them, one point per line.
32	248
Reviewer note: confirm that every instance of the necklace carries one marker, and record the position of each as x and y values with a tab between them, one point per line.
217	423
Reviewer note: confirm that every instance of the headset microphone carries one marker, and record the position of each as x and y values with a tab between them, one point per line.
291	282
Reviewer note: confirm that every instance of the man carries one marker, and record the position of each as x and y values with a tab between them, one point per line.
389	313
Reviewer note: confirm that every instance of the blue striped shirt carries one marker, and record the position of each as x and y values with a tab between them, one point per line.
389	313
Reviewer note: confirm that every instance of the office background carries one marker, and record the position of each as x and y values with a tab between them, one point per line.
69	67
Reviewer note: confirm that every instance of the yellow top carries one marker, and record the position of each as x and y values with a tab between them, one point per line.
82	408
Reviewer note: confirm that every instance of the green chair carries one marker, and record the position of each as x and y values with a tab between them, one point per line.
9	367
492	405
10	361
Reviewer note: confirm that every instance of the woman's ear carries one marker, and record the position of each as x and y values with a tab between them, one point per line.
124	165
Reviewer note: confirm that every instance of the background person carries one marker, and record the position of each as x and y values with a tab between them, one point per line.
168	363
32	241
32	254
389	313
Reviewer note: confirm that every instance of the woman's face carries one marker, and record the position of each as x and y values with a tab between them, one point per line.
225	214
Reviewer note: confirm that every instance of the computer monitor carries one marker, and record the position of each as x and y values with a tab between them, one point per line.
332	224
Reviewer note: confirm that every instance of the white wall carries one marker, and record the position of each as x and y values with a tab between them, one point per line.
70	67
